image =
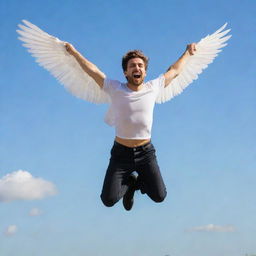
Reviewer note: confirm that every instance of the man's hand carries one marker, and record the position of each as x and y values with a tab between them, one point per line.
191	48
86	65
175	69
70	48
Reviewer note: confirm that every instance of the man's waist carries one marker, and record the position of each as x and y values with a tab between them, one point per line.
131	143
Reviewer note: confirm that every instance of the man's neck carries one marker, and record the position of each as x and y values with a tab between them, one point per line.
135	87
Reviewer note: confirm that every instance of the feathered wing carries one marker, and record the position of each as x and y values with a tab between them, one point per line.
206	51
50	52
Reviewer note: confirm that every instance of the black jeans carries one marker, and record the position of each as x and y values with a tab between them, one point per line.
123	162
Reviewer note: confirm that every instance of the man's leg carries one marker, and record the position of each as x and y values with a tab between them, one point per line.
129	194
150	180
115	184
117	178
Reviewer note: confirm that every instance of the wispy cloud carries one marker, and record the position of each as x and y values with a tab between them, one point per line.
11	230
212	228
35	212
21	185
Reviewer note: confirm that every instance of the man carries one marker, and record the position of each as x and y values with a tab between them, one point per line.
132	103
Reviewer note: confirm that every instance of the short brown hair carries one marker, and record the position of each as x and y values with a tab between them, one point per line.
134	54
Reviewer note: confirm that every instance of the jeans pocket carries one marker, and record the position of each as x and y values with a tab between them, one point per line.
117	152
149	148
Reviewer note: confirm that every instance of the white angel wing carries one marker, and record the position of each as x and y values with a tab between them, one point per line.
50	52
206	50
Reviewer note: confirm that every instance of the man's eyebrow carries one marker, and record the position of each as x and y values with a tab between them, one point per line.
140	63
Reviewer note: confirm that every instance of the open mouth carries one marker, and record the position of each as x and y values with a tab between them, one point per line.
137	76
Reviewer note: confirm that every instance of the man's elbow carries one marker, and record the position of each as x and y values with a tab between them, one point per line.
170	75
176	72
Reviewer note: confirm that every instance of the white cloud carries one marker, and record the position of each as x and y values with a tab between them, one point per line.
35	212
21	185
11	230
213	228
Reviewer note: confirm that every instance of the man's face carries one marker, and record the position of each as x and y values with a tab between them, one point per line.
135	72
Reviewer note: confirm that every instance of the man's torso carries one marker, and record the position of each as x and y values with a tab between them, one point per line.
133	111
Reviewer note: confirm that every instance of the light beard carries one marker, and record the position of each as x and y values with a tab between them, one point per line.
132	81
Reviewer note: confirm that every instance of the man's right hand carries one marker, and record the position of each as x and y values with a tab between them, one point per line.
70	48
86	65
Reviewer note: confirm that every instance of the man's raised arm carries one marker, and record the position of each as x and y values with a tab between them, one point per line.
91	69
175	69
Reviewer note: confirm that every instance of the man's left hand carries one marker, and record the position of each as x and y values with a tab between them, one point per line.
191	48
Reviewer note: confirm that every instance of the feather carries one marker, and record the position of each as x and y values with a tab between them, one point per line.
207	50
50	53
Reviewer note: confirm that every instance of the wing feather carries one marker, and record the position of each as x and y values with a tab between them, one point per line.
51	54
207	50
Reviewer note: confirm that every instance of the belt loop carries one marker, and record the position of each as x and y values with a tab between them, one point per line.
146	145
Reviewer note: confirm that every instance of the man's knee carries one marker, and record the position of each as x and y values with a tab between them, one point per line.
159	197
109	202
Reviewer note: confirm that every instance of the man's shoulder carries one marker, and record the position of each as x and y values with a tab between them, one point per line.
111	84
159	81
111	81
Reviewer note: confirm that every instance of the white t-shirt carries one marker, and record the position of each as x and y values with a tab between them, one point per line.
132	111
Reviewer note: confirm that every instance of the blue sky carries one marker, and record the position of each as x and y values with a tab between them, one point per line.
205	138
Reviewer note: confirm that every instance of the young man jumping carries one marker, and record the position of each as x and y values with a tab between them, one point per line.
131	103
